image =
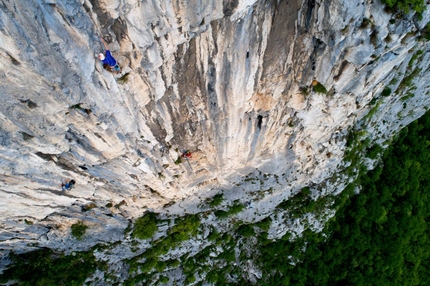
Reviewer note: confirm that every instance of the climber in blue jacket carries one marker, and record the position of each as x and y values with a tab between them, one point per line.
108	59
68	185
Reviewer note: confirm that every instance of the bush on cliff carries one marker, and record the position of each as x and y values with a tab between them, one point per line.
406	5
78	230
145	226
44	267
378	237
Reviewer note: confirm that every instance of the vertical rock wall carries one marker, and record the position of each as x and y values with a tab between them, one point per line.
231	81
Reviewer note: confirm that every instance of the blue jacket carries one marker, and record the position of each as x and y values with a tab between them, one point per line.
109	60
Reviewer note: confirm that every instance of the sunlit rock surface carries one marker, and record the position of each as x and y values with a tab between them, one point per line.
230	81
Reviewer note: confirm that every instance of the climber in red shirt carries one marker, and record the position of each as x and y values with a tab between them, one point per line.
186	154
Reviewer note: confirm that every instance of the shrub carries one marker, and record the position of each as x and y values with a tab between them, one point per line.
264	224
178	161
78	230
407	96
216	200
173	263
319	88
407	80
190	279
44	267
425	32
228	255
221	214
386	92
372	111
164	279
246	230
393	81
149	265
235	208
145	226
404	6
161	265
212	277
185	227
374	151
190	265
214	235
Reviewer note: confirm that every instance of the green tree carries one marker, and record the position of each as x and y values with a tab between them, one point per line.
406	5
378	237
145	226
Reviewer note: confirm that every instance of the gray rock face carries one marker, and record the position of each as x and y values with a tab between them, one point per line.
231	81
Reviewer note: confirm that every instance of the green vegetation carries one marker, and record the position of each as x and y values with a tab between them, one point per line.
149	265
406	5
425	32
164	279
236	208
184	228
386	92
304	90
393	81
302	203
178	161
214	235
246	230
78	230
45	268
372	111
145	226
264	224
407	80
374	151
407	96
216	200
414	57
319	88
379	237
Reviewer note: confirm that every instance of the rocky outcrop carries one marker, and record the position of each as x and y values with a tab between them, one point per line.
254	89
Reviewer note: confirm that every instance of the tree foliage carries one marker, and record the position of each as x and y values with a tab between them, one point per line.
79	229
44	267
406	5
145	226
379	237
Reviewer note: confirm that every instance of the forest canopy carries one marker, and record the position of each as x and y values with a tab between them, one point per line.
379	237
406	5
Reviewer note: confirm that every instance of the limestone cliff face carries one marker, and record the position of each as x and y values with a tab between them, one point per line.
232	81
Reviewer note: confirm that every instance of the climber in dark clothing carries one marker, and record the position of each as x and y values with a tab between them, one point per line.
68	186
108	59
